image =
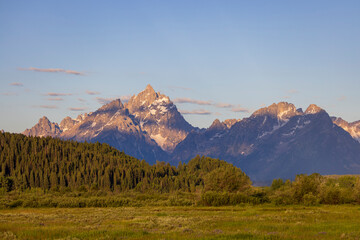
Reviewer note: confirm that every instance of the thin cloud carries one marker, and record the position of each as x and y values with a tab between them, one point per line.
224	105
173	88
48	106
293	91
16	84
208	103
55	99
192	101
195	112
92	92
342	98
240	109
9	94
125	98
81	100
52	70
103	101
52	94
77	109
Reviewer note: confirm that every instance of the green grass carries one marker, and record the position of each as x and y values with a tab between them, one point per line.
153	222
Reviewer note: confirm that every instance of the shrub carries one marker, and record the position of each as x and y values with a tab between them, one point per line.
310	199
211	198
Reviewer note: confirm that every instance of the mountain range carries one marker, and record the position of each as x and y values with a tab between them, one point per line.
278	141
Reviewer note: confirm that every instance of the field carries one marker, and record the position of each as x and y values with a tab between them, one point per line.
239	222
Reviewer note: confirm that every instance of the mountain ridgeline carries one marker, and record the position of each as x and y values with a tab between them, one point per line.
278	141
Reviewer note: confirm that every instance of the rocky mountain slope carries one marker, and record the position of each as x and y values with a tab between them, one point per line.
276	141
352	128
44	128
159	117
147	127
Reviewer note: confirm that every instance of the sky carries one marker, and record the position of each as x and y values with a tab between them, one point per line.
214	59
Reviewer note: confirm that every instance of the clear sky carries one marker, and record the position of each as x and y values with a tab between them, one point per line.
217	59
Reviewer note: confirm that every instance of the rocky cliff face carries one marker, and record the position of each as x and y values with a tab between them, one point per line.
352	128
147	127
159	117
277	141
44	128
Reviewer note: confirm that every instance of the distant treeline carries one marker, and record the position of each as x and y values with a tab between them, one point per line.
40	172
54	164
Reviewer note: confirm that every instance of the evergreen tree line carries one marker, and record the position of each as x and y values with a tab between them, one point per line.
54	164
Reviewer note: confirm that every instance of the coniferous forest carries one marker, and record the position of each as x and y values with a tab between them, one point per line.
36	166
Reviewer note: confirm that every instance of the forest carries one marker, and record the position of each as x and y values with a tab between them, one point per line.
45	171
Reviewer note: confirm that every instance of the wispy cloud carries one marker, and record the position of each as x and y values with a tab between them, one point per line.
103	101
224	105
125	98
52	94
192	101
16	84
52	70
92	92
195	112
55	99
240	109
233	107
48	106
173	88
77	109
9	94
342	98
81	100
293	91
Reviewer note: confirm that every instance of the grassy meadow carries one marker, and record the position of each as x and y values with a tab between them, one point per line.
193	222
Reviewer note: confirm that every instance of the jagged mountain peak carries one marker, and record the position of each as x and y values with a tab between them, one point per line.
114	105
144	99
44	119
159	117
217	125
281	110
313	109
81	117
338	120
43	128
149	88
352	128
67	123
230	122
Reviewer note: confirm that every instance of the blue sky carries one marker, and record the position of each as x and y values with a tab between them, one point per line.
218	59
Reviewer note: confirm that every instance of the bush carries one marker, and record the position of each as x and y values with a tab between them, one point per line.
332	195
310	199
16	203
215	198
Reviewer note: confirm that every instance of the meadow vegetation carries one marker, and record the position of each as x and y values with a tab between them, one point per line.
54	189
48	172
152	222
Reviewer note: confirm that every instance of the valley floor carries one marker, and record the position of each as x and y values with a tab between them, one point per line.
240	222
